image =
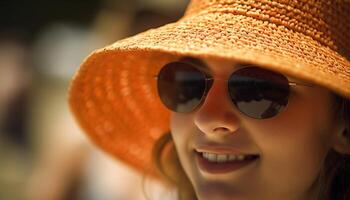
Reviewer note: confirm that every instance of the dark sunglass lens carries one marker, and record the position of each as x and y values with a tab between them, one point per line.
181	86
259	93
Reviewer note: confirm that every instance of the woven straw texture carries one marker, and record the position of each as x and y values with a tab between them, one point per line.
114	97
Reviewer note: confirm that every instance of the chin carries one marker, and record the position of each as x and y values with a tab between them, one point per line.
218	191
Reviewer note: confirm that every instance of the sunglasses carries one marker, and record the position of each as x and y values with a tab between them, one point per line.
256	92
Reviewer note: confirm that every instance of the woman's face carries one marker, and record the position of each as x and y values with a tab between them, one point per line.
291	146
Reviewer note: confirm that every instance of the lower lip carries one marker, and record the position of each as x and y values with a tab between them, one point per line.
218	168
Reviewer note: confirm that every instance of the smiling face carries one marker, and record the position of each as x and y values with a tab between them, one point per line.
291	146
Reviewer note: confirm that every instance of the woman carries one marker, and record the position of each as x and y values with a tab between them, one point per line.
236	100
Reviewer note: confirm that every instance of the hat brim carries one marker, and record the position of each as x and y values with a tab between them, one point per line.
114	95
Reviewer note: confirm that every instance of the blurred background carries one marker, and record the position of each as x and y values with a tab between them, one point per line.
43	154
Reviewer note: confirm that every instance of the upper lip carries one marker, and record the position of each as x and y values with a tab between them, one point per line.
221	150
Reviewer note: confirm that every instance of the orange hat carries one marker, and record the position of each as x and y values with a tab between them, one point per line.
114	96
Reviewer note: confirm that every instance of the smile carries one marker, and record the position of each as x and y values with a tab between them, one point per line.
221	158
223	163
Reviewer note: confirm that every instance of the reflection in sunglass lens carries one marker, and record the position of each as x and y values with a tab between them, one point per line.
258	93
181	86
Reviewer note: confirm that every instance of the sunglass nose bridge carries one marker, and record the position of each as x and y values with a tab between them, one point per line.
210	82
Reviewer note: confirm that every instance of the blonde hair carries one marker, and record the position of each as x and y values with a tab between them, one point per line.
167	163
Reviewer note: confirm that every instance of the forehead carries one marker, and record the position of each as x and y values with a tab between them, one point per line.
213	65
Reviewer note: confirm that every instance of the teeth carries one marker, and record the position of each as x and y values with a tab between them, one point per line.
211	157
240	157
221	158
232	157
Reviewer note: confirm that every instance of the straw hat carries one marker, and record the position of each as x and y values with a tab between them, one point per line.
114	97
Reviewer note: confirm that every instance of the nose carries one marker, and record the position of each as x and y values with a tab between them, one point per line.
217	116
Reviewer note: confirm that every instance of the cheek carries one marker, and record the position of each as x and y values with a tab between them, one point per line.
305	126
295	143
